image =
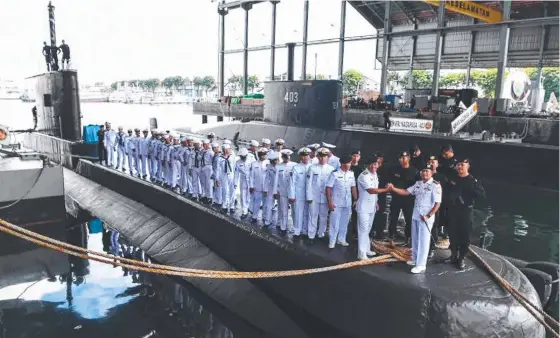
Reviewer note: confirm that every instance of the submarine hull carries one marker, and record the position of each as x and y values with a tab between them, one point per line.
380	301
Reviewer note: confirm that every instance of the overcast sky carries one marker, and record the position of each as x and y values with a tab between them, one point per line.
127	39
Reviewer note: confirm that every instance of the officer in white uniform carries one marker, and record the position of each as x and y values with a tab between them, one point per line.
341	193
224	179
282	187
270	182
266	143
185	157
426	204
296	192
313	155
130	148
279	145
366	207
197	155
333	160
157	154
317	177
121	151
217	189
152	154
241	179
206	182
163	149
111	145
256	182
176	155
144	144
252	151
169	162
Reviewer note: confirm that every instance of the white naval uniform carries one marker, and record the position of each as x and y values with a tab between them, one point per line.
224	175
366	207
130	148
169	164
282	188
334	161
270	181
297	188
196	173
314	160
111	147
206	181
121	151
186	179
256	181
217	190
144	145
152	154
341	183
176	154
251	157
137	165
427	195
241	179
317	177
157	155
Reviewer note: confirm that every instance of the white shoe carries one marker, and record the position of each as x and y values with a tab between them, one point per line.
343	243
411	263
362	258
371	253
331	245
418	269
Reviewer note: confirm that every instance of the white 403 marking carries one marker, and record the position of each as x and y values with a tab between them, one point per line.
291	97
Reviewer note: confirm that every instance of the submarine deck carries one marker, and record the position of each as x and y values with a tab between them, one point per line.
353	302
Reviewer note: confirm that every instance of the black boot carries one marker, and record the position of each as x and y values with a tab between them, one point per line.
461	263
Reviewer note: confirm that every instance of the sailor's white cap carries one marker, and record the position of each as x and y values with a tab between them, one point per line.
287	152
279	141
227	142
328	146
190	138
266	141
196	141
254	143
243	152
314	146
304	151
262	151
226	146
272	155
205	141
215	145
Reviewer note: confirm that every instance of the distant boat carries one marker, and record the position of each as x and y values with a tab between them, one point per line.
93	96
9	91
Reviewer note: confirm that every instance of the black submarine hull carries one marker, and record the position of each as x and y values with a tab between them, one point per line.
380	301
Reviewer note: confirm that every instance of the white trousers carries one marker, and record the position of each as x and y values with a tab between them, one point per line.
268	204
206	182
185	179
283	211
143	170
244	196
365	222
131	162
421	240
121	157
196	178
111	156
217	195
300	216
175	172
256	201
340	217
168	172
320	210
227	191
154	167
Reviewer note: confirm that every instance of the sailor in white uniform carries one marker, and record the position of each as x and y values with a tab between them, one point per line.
121	151
366	207
217	188
111	145
195	164
270	181
252	151
206	181
130	148
427	202
224	178
341	194
313	155
282	187
317	177
152	154
296	192
256	182
144	145
279	145
137	140
169	162
186	183
176	155
157	156
333	160
266	143
241	180
163	149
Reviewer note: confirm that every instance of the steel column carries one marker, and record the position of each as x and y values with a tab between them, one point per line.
469	59
273	40
439	48
246	7
410	83
341	39
52	32
386	48
221	63
503	51
544	39
304	42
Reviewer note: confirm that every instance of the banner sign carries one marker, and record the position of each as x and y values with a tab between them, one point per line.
465	117
411	125
472	9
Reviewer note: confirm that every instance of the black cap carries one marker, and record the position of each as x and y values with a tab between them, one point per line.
404	153
355	152
446	147
414	148
425	167
433	157
374	159
347	158
378	154
463	160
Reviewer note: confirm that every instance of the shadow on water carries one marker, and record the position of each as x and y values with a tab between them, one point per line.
75	297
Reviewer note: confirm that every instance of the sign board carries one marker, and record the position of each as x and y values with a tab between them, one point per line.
411	125
472	9
464	118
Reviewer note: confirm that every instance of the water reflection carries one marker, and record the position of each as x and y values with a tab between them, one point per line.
85	298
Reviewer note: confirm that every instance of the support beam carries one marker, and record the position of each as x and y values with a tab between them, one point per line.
544	39
221	62
304	42
386	48
439	48
410	83
469	58
273	40
503	51
246	7
341	39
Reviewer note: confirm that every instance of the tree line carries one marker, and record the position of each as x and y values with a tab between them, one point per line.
170	83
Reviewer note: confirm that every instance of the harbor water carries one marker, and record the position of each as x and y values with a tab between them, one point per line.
515	221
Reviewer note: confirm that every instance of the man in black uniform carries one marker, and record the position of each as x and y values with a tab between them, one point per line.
402	176
417	159
47	55
380	219
54	58
101	151
357	168
444	183
447	167
464	190
387	120
65	54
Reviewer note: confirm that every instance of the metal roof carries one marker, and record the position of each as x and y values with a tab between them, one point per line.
406	12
